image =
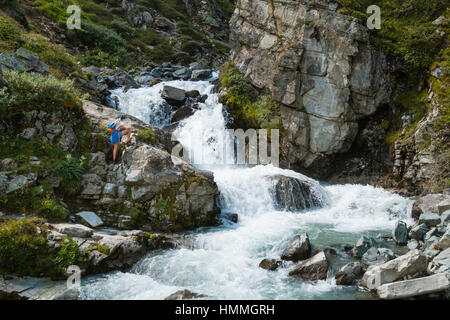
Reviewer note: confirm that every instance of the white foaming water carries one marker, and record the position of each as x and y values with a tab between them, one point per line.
224	261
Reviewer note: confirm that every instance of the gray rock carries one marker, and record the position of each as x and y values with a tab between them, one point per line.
444	242
440	263
8	164
183	73
202	74
349	274
400	233
233	217
294	194
413	244
298	248
415	287
315	268
362	245
197	66
418	232
28	133
432	242
439	21
173	96
270	264
184	295
376	256
430	219
182	113
410	263
91	218
445	216
92	186
74	230
443	206
16	182
432	232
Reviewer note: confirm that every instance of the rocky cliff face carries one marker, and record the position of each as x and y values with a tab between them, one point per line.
319	65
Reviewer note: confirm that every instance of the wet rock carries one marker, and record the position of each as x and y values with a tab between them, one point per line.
362	245
182	113
201	74
298	248
349	274
91	218
430	233
418	232
445	217
184	295
376	256
430	219
183	73
173	96
233	217
315	268
270	264
411	263
294	194
415	287
192	94
427	204
400	233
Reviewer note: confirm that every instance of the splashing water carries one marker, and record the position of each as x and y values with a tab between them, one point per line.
224	261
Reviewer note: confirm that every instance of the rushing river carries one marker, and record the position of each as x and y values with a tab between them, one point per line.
223	261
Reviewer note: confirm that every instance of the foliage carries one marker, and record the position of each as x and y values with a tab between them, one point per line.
51	210
69	254
23	247
146	136
26	92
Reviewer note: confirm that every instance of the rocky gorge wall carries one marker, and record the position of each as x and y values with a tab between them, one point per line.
319	65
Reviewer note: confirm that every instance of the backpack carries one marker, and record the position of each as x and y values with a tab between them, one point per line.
112	127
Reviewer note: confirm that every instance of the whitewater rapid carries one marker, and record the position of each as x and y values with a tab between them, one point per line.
223	261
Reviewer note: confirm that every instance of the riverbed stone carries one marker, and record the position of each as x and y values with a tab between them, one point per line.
270	264
362	245
376	256
173	96
184	295
91	218
349	274
413	262
315	268
400	233
74	230
298	248
444	242
415	287
440	262
430	219
443	206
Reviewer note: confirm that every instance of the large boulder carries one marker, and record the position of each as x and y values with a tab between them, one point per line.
411	263
74	230
295	194
400	233
376	256
440	263
298	248
430	219
90	218
418	231
415	287
23	60
173	96
319	64
315	268
362	245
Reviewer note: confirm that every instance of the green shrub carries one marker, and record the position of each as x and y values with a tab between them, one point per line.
68	255
123	29
71	171
146	136
51	210
23	247
26	92
162	52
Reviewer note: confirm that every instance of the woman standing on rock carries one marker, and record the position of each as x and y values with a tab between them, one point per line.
117	130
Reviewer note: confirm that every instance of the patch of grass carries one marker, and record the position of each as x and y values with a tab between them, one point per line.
146	136
26	92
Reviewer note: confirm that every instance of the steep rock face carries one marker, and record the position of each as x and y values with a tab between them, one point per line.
147	188
318	64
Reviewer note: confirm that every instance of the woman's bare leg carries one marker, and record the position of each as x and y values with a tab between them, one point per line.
116	147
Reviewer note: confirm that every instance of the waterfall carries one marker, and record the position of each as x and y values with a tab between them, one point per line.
273	205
